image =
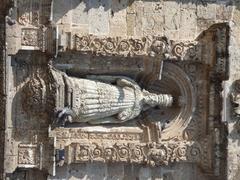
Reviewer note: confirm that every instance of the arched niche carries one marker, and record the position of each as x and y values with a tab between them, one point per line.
174	81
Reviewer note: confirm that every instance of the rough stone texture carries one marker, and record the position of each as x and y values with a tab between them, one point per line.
233	129
127	172
183	21
34	27
2	86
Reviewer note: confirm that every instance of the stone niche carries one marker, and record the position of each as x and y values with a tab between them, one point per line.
48	58
186	132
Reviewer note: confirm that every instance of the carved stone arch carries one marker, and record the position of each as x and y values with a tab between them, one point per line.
176	82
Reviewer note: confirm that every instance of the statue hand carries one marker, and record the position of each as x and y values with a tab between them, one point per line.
122	82
122	116
125	115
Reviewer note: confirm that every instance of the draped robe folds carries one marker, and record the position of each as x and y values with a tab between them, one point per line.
96	99
98	102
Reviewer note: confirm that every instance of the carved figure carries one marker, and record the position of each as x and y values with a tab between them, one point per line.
94	99
107	99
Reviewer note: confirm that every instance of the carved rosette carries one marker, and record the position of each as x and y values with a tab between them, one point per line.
186	50
159	46
24	19
152	154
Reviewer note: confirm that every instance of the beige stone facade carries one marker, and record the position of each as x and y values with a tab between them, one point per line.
59	57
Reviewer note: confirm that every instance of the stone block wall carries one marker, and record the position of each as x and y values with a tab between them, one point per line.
178	20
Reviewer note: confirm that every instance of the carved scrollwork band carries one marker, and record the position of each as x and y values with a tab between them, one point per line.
152	154
148	46
153	46
186	50
110	46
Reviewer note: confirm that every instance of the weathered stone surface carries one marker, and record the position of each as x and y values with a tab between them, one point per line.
189	49
99	15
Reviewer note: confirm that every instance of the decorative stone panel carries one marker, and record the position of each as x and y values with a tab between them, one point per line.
28	156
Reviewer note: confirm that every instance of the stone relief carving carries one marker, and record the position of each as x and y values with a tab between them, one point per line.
186	50
30	37
152	154
148	46
33	38
109	103
96	100
53	90
29	12
187	79
48	93
27	155
75	133
110	46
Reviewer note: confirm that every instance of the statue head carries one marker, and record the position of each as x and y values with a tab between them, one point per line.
153	99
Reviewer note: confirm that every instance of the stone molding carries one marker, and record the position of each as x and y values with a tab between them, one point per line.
76	133
153	154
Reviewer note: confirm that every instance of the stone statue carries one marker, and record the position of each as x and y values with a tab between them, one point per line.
107	99
94	99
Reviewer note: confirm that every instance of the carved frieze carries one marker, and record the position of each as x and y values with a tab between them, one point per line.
147	46
110	46
152	154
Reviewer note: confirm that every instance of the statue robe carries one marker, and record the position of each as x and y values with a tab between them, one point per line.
96	101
